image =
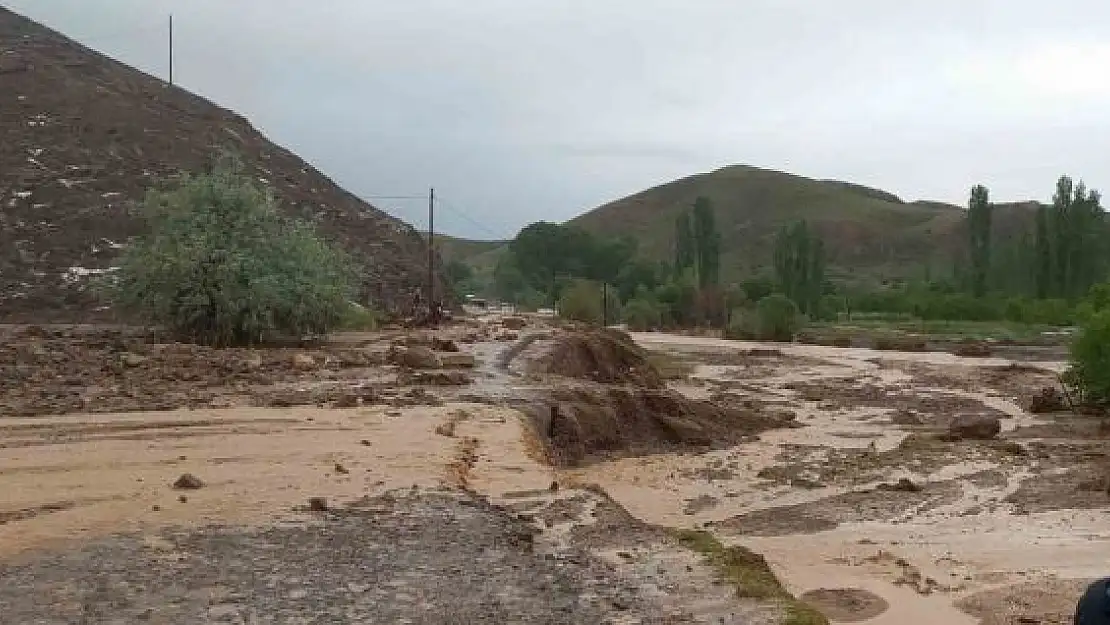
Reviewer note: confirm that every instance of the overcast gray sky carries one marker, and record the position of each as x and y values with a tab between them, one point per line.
521	110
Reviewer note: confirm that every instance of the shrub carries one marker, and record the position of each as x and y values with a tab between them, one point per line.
581	301
741	325
641	315
777	318
1090	359
219	265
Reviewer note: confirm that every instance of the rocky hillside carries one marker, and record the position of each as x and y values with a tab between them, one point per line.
83	137
868	233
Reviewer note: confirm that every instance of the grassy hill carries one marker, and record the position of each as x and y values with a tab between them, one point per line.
870	234
464	250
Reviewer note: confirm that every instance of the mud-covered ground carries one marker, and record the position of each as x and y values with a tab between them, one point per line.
504	471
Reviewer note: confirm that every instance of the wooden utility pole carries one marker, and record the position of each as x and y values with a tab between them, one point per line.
431	251
171	48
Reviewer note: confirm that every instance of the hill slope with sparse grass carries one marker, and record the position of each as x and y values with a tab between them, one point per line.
869	234
83	138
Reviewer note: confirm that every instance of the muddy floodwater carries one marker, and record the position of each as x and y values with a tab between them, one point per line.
864	508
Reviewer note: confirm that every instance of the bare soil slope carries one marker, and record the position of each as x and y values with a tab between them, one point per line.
82	137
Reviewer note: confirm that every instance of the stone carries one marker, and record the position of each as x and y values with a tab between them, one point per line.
132	360
444	345
1048	399
514	323
317	504
974	427
415	357
188	481
304	362
340	469
457	360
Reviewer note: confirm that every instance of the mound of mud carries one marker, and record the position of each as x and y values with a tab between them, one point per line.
846	605
58	371
582	424
600	355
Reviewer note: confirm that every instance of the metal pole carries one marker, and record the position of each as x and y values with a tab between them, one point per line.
431	249
171	48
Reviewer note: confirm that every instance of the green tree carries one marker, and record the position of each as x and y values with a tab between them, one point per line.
979	238
1090	359
582	300
1043	256
707	243
684	245
799	259
219	265
641	314
777	318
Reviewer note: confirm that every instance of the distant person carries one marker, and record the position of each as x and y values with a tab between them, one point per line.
1094	605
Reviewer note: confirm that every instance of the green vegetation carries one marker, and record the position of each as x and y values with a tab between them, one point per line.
800	266
843	254
749	572
979	238
219	265
777	318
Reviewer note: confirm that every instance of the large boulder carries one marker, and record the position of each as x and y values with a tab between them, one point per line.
1048	399
415	357
974	427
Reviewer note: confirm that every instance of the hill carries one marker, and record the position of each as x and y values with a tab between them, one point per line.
869	234
463	250
83	137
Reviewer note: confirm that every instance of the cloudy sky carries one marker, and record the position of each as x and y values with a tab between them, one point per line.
521	110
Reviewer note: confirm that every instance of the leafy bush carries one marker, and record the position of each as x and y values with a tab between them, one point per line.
777	318
741	325
641	315
219	265
581	301
1090	359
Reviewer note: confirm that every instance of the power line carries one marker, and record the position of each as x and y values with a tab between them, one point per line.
468	218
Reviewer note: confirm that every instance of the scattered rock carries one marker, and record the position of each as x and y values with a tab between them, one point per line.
188	481
183	499
415	357
698	504
349	400
974	427
905	416
507	336
1048	399
440	378
365	443
340	469
317	504
457	360
155	508
514	323
903	485
446	428
444	345
303	362
554	487
129	359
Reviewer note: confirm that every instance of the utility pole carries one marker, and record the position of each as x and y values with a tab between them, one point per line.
171	48
431	251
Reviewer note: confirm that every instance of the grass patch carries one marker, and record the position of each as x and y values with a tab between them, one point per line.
358	318
751	575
